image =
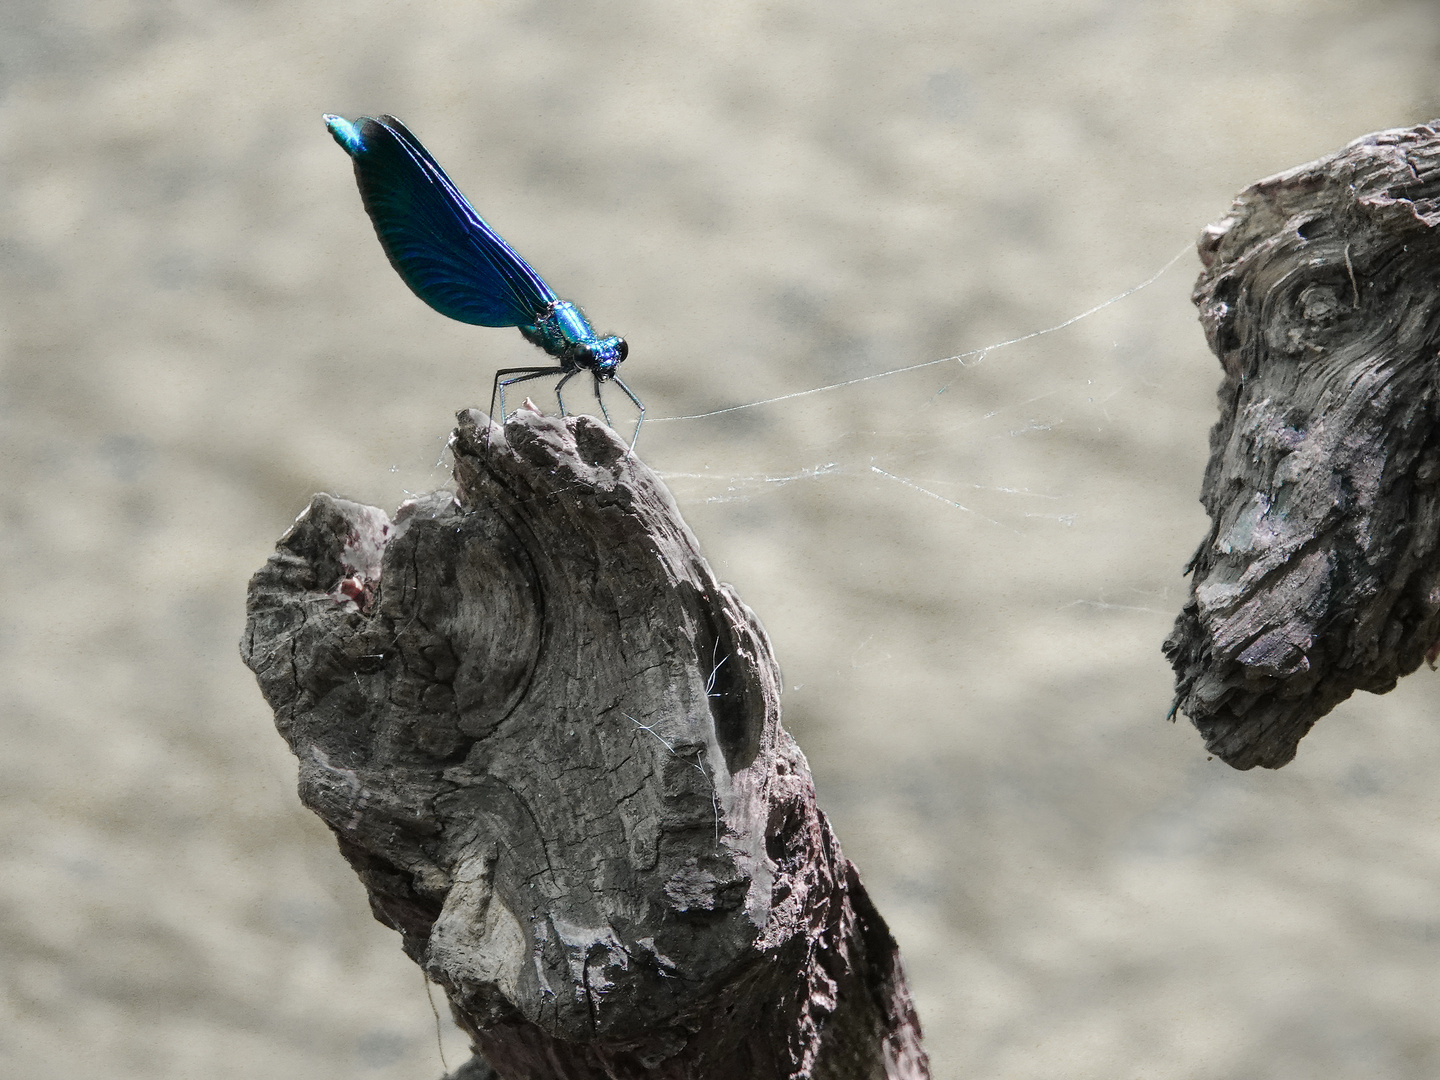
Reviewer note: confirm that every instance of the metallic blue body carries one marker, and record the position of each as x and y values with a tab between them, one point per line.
565	333
453	260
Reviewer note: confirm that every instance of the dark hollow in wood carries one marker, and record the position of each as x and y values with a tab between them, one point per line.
549	743
1321	298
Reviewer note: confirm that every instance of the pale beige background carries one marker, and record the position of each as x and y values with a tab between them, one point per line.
199	330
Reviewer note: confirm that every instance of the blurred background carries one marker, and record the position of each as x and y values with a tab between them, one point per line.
967	569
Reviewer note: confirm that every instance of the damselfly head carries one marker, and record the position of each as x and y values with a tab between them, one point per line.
602	355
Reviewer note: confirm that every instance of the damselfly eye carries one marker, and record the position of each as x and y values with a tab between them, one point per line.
622	350
584	355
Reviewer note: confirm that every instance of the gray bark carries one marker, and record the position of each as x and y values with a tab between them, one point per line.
1320	576
549	743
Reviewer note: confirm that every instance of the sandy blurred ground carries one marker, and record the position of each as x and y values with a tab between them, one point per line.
967	570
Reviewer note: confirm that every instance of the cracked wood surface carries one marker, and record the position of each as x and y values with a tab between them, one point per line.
548	741
1320	296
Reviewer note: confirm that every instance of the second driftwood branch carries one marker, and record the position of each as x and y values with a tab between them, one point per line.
1321	573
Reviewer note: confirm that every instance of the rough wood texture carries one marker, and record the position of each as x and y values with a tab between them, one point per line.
1320	576
549	743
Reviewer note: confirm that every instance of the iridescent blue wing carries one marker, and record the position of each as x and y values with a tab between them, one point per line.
436	241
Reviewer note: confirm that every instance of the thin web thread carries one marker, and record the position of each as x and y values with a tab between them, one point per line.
926	491
439	1042
944	359
714	801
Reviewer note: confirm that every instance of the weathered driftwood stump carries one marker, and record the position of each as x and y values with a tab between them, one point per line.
1320	575
549	743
